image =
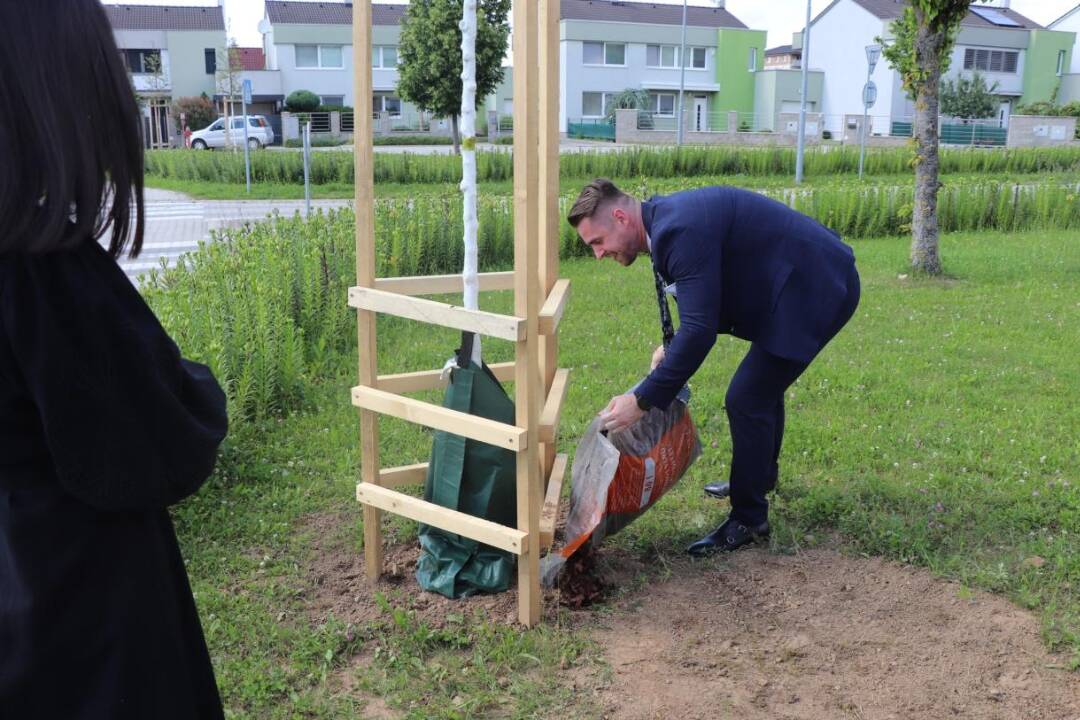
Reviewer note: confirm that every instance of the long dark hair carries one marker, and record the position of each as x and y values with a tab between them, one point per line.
71	159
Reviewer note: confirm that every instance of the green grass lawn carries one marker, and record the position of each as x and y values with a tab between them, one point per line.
939	428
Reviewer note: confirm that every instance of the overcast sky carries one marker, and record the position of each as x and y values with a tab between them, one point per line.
780	18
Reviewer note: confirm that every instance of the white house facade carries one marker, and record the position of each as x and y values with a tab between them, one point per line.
1070	22
1020	56
170	52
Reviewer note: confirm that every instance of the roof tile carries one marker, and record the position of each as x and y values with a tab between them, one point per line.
164	17
889	9
340	13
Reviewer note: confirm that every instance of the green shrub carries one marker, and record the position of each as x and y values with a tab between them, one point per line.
302	101
198	111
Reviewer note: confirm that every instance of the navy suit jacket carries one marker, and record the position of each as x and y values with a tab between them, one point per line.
745	265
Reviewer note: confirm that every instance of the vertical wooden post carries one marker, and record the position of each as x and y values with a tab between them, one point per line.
365	271
549	191
527	302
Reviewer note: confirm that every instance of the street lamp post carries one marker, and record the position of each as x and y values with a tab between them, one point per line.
801	141
873	52
682	78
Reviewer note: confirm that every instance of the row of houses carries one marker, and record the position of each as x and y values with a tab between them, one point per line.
607	46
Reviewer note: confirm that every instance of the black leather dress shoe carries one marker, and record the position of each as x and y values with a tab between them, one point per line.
718	490
732	535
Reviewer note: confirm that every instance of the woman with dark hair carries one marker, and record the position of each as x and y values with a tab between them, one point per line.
102	424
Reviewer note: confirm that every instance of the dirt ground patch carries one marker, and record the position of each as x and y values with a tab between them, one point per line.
340	586
821	635
813	636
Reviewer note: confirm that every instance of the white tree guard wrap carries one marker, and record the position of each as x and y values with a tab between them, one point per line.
468	160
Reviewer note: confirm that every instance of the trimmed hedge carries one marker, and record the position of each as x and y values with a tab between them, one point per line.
644	162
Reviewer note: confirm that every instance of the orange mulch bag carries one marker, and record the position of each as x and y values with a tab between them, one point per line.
617	477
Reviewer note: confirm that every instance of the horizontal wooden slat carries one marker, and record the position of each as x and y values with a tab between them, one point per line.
551	311
442	284
432	379
506	327
403	475
485	531
440	418
549	417
549	514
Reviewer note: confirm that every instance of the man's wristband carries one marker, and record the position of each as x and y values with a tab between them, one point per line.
643	404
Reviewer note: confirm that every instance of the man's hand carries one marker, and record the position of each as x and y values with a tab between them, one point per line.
621	412
657	357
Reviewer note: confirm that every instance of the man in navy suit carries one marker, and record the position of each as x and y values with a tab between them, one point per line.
741	264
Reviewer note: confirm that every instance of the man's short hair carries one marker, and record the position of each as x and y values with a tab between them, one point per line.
600	192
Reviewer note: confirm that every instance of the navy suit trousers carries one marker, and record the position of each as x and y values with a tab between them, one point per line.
755	410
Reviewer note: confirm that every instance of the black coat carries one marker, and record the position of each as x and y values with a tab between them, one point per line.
743	265
102	426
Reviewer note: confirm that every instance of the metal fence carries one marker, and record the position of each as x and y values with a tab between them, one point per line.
590	129
410	121
320	122
959	132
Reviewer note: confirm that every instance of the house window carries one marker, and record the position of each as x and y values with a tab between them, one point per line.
601	53
210	59
319	56
667	56
387	103
697	58
141	62
661	55
751	64
332	100
592	104
384	56
1000	61
662	104
596	104
1061	62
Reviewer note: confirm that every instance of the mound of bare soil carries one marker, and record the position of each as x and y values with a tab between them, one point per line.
813	636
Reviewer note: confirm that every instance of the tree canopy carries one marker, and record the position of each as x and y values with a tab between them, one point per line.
429	53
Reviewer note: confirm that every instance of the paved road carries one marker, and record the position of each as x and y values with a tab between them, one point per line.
176	223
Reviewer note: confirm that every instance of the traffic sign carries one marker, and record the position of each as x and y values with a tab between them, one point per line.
873	52
247	91
869	94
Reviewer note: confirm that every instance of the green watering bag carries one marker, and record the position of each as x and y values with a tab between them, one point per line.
475	478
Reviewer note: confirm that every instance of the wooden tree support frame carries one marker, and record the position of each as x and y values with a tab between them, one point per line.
539	301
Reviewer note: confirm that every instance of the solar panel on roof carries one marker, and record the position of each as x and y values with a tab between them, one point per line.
995	16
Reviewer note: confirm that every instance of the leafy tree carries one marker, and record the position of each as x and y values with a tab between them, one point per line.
198	111
924	36
968	97
429	55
